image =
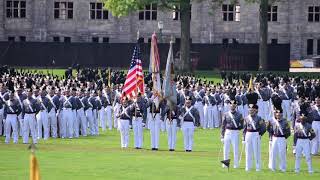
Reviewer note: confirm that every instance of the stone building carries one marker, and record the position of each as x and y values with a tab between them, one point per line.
296	22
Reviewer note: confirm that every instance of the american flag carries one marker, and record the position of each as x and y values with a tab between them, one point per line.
135	81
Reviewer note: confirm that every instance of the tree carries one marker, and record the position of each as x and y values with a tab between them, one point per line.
263	32
124	7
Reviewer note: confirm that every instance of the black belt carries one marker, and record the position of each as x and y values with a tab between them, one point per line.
12	113
266	100
233	128
124	118
279	136
302	137
188	120
30	112
252	131
316	120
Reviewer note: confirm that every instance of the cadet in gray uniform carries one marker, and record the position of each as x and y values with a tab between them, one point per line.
189	117
315	113
304	133
254	128
88	112
42	116
124	114
30	108
4	96
266	107
101	102
11	110
67	104
139	109
170	116
232	123
279	129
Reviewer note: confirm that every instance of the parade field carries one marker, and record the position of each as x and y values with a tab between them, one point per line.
100	157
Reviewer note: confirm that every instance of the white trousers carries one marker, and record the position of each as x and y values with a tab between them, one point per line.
137	131
115	119
278	148
76	124
265	109
231	137
199	106
20	124
287	111
11	122
1	122
102	118
252	142
172	133
95	122
52	119
82	119
149	119
303	146
60	120
42	121
188	131
124	132
90	119
67	123
155	131
29	126
210	116
108	110
316	141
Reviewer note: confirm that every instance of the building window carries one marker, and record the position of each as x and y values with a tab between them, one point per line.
149	12
314	13
16	9
63	10
22	39
318	49
274	41
230	12
310	47
67	39
273	13
95	39
11	38
56	39
105	40
176	15
97	11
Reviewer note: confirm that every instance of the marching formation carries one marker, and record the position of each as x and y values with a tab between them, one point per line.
45	106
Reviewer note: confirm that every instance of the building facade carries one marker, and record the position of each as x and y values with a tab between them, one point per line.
296	22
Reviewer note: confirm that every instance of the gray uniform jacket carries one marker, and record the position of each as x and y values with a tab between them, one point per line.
231	122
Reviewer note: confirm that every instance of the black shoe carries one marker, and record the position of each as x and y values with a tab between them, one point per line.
153	149
156	149
171	149
136	148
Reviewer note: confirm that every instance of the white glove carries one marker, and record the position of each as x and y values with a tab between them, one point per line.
222	140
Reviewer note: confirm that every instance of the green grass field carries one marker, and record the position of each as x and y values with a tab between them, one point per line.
102	158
